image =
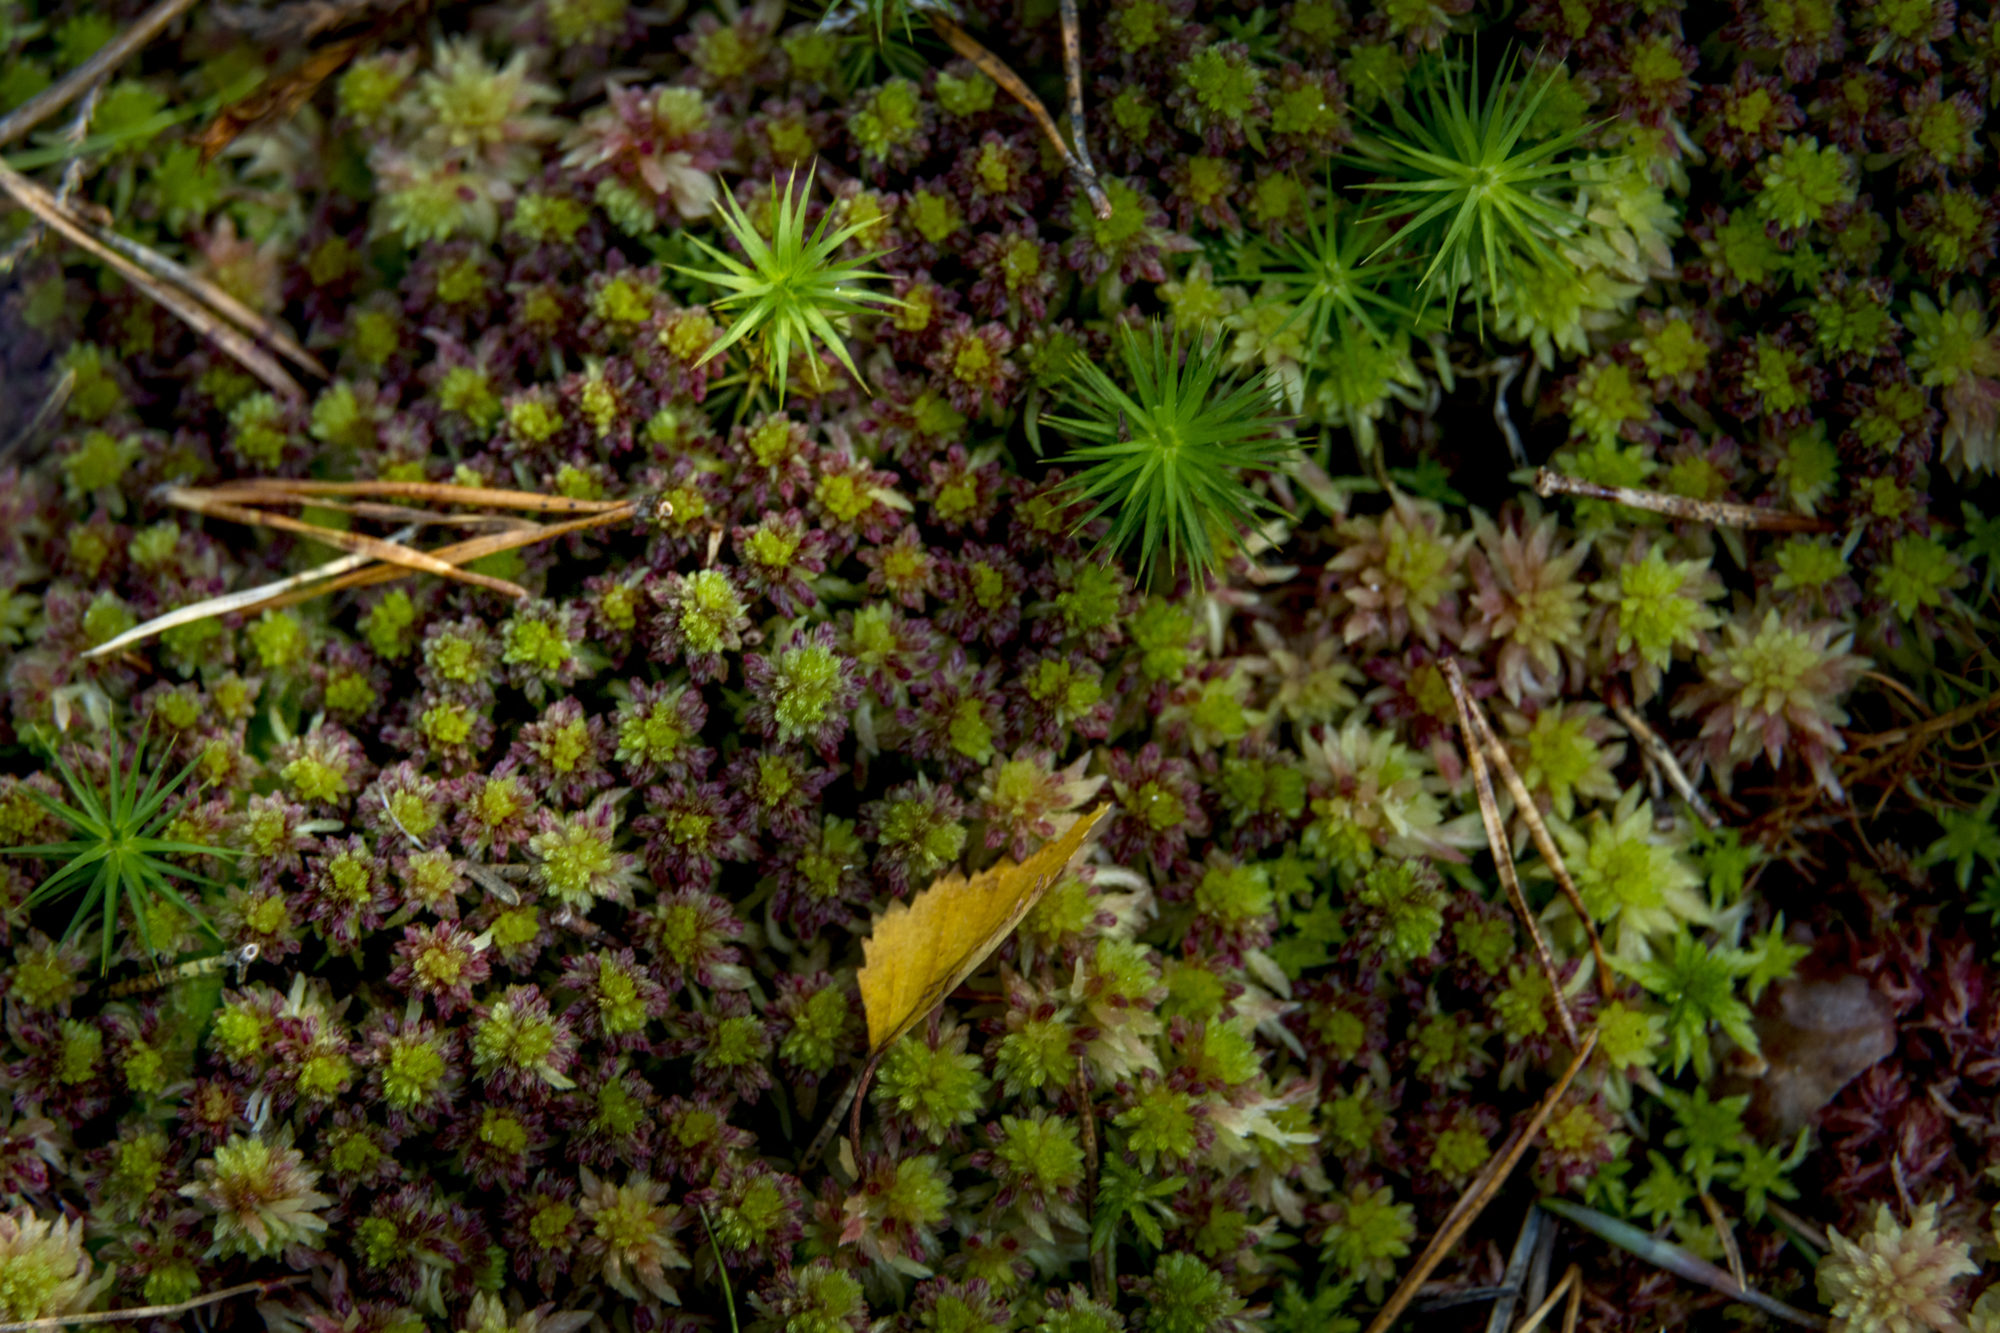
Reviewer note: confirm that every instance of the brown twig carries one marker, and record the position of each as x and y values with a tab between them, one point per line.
38	201
1657	751
1549	482
1482	1193
108	57
996	69
1496	836
265	1287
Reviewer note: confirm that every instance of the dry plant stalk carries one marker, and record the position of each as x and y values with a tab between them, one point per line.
50	212
263	1288
1549	482
1726	1235
1496	837
374	560
996	69
1482	1192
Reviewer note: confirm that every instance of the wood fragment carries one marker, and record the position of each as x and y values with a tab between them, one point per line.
107	58
1496	837
996	69
1657	751
38	201
1718	513
1468	1208
262	1288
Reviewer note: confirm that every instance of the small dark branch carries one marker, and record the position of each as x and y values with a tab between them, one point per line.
109	57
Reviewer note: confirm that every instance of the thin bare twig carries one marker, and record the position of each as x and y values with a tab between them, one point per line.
996	69
38	201
1490	1181
1721	514
265	1287
1100	1266
1656	750
1496	836
1510	366
108	57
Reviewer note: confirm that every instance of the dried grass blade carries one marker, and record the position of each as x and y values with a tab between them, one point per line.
1664	1254
246	601
1468	1209
394	553
276	490
477	548
231	340
1496	837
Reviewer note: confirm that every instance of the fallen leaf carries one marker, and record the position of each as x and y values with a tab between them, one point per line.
921	950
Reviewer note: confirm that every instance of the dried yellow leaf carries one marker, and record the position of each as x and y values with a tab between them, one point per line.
921	950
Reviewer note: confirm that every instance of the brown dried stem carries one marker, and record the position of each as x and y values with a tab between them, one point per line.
1482	1193
38	201
263	1288
1496	837
1072	39
209	503
1549	482
108	57
996	69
